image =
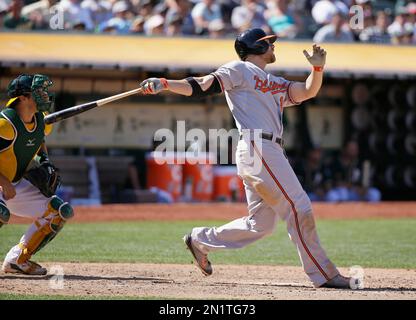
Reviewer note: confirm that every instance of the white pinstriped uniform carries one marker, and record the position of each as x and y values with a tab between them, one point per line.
256	100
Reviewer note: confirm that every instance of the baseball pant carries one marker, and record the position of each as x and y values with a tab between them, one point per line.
30	203
273	191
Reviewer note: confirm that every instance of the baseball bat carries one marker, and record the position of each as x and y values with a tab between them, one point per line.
73	111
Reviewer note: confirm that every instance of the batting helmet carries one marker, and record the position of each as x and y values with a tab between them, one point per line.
253	41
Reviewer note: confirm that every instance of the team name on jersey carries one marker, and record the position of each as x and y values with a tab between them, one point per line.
265	86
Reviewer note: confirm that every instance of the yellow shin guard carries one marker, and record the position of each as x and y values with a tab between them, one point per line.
45	228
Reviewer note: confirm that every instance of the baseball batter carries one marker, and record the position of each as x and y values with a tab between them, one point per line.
22	135
257	100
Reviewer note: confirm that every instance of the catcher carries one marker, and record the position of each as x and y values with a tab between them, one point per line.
29	192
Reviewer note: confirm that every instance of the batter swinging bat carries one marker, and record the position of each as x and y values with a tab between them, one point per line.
73	111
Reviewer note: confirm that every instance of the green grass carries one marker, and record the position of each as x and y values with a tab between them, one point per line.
368	243
13	296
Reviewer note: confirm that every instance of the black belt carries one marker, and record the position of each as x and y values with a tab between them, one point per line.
269	136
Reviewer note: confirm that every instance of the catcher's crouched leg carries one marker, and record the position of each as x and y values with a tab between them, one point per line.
43	230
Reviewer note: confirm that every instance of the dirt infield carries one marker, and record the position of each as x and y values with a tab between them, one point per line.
229	211
186	281
228	281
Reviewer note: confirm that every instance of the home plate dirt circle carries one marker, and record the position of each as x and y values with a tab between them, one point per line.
186	281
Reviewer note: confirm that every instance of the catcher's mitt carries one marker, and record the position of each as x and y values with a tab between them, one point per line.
45	177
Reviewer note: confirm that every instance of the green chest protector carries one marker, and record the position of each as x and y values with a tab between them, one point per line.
26	143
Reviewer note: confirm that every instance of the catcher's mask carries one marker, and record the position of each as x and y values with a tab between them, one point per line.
37	86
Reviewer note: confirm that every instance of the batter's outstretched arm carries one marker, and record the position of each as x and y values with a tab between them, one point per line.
301	91
188	87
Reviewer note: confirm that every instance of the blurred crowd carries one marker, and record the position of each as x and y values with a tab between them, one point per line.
383	21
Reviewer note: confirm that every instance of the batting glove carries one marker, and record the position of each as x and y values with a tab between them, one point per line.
154	85
318	57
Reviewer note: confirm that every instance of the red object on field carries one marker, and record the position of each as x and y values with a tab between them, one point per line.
164	171
227	184
198	173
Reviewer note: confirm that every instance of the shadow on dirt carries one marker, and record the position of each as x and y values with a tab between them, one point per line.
401	289
88	278
278	285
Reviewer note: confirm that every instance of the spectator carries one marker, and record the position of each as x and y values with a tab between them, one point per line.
110	27
411	8
216	29
183	9
401	30
314	175
2	14
40	13
249	15
161	8
377	33
14	19
173	25
145	9
137	26
3	6
100	10
154	25
336	31
119	23
203	13
400	4
303	10
349	184
403	36
75	14
283	22
227	7
367	8
77	25
324	10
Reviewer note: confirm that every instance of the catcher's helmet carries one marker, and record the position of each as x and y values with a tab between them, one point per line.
37	85
253	41
20	86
